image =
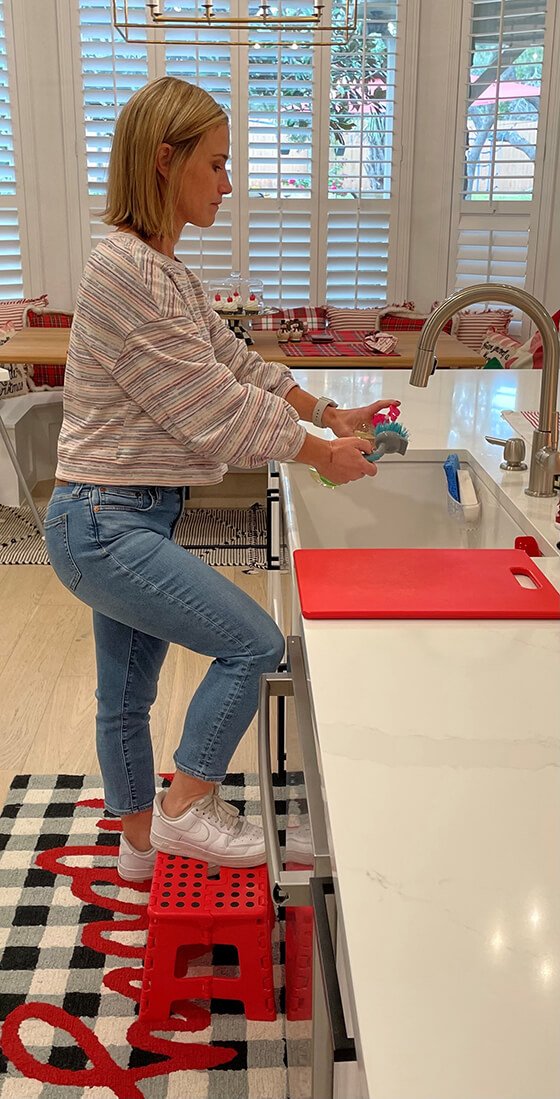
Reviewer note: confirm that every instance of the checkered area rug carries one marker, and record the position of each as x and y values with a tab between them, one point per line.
220	536
72	939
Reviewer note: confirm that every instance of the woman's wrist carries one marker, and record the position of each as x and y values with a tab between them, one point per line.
315	451
329	416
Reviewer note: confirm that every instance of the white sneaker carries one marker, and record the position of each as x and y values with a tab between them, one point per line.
299	847
134	865
211	830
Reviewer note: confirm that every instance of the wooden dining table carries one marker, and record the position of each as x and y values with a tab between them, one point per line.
50	345
451	354
36	345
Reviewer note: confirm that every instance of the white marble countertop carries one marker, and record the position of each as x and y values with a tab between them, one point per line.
439	749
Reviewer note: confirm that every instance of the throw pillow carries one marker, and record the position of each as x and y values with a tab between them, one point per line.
364	320
500	352
473	326
17	385
525	356
11	312
46	375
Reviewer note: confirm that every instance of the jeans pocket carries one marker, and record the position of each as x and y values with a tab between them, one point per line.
58	549
126	499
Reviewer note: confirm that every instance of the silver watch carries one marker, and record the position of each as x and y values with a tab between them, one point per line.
317	414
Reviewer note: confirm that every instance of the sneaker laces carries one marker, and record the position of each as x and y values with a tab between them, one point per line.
228	816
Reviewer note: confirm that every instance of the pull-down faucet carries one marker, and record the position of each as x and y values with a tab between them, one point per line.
545	459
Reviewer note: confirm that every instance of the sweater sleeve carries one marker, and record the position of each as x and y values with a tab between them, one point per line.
247	365
171	372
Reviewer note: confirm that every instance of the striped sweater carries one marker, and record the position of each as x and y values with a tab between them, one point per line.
157	390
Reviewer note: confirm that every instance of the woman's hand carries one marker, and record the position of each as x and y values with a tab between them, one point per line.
345	421
344	461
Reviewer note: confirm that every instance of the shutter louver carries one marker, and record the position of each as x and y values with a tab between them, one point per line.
279	254
112	70
280	121
360	171
507	40
507	47
494	255
358	245
11	276
206	252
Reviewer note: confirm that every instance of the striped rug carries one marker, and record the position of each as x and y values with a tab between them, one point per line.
220	536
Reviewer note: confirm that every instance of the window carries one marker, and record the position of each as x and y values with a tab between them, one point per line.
507	48
11	278
320	165
112	70
207	252
312	170
507	52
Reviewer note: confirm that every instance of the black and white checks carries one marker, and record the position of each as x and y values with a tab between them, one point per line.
71	944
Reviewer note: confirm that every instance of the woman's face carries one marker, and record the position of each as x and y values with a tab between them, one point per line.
204	180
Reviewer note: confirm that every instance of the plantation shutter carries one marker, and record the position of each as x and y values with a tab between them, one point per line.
313	139
361	185
282	169
112	70
11	277
503	99
207	252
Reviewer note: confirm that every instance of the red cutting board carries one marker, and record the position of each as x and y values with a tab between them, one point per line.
421	583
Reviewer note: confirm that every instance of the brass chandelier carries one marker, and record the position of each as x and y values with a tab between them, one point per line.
184	22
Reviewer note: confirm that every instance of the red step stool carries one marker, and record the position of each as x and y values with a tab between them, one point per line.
298	969
187	910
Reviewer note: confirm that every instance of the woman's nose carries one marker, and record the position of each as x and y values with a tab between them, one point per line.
226	187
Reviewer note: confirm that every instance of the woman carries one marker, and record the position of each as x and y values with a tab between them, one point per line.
159	394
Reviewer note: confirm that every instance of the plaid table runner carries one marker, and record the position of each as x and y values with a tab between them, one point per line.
348	342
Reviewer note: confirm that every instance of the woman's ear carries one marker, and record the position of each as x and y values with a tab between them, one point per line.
163	159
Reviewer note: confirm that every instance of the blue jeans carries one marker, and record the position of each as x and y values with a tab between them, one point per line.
112	546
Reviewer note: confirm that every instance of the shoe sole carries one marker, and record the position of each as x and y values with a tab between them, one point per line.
137	876
191	851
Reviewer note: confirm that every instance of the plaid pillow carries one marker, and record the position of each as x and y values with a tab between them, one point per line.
11	312
473	326
406	320
46	375
315	316
46	318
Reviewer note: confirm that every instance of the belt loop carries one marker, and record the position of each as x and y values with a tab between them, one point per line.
77	490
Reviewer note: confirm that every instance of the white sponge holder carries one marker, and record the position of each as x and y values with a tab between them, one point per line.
466	511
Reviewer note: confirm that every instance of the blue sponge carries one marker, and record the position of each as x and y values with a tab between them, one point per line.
450	466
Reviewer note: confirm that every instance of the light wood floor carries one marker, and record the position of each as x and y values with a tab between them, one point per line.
47	671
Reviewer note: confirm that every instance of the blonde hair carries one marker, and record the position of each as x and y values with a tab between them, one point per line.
165	111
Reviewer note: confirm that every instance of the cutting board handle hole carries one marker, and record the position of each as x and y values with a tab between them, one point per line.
524	579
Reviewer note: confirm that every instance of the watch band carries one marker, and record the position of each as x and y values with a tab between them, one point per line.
317	414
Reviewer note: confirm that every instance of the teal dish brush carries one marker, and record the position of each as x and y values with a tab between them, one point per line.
389	438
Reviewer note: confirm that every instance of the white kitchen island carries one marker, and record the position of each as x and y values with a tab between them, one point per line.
439	751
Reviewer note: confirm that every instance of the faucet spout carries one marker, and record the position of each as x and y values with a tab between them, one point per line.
541	474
